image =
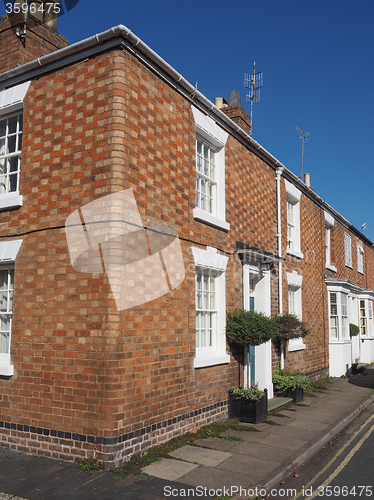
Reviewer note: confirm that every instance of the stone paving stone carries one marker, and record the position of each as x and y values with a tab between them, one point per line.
274	454
202	456
212	477
252	467
167	468
294	433
246	435
309	425
280	441
215	443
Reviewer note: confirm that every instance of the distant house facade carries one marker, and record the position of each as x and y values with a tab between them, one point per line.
111	342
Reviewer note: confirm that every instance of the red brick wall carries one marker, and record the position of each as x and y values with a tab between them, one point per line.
39	41
93	379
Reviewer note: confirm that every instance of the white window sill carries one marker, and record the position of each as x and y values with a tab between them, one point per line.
7	370
349	265
331	268
10	200
300	346
203	216
361	272
340	341
295	253
218	359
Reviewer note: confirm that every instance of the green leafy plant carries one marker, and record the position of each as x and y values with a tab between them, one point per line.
283	380
90	465
249	327
252	394
353	330
289	327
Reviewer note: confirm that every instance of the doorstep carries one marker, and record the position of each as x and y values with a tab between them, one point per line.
274	403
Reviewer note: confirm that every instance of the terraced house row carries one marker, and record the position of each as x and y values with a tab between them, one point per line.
134	214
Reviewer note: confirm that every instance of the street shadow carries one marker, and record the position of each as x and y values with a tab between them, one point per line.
363	379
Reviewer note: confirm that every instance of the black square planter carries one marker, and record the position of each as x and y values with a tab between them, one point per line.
246	410
297	394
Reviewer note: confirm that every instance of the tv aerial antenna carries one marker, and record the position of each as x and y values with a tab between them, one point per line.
304	136
253	82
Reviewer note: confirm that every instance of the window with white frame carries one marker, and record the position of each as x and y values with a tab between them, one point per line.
206	312
363	326
293	220
6	307
347	250
8	254
11	126
10	153
334	318
360	258
329	224
295	306
210	307
370	317
344	311
338	314
206	185
210	171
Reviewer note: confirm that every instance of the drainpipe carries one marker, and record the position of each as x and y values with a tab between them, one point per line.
278	174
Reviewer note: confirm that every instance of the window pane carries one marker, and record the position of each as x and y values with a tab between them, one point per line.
2	128
12	144
12	125
2	146
4	342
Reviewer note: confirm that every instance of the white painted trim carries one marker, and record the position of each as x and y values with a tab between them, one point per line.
209	259
294	279
11	200
203	216
209	129
295	253
329	220
12	99
292	191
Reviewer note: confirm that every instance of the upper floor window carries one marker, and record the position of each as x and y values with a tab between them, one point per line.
293	220
347	250
11	125
10	153
210	171
360	258
206	185
329	224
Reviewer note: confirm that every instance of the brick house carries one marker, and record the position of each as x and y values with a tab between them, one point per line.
113	341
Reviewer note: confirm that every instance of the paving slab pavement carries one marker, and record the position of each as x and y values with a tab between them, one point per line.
263	457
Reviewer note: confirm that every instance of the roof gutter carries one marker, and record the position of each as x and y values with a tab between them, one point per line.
122	36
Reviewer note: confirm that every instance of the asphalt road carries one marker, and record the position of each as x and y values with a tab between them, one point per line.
343	469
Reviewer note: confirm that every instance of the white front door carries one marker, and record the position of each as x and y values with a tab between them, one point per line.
256	297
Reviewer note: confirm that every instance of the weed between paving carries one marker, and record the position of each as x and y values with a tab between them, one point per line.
135	464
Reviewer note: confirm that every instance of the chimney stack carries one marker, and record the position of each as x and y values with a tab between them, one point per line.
234	110
26	37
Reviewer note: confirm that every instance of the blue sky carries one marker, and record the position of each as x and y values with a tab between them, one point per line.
316	59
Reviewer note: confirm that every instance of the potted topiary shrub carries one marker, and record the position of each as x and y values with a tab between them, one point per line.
249	328
290	385
248	405
246	328
289	327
